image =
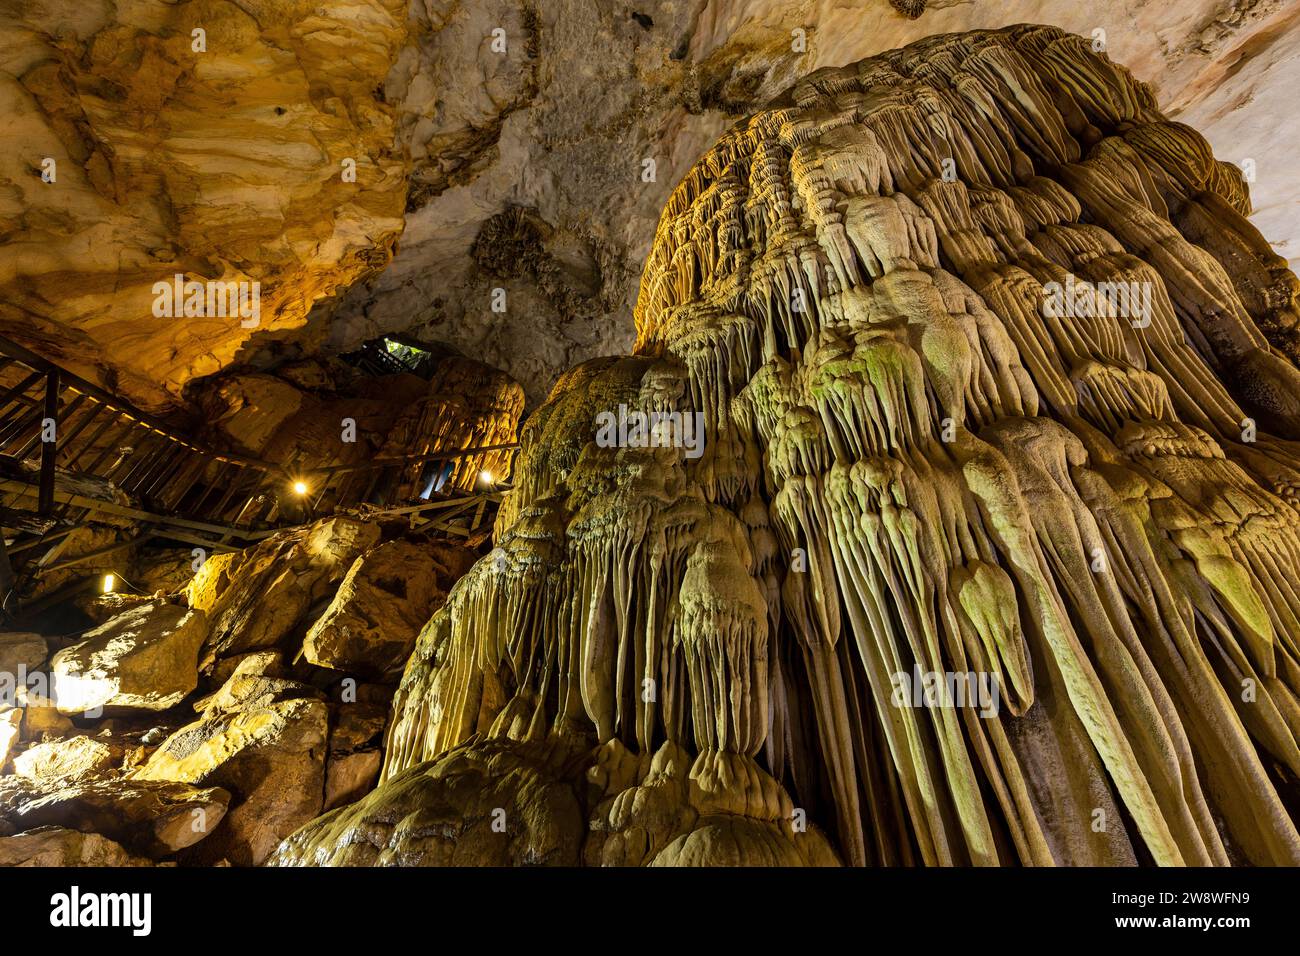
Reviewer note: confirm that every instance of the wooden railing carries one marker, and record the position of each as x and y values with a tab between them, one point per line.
73	454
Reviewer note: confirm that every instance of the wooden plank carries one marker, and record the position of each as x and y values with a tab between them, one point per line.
217	547
436	505
18	390
49	449
145	447
183	481
8	596
99	552
43	539
91	414
448	528
411	459
237	485
94	438
75	382
157	478
8	486
69	590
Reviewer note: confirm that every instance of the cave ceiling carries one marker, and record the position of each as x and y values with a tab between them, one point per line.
526	147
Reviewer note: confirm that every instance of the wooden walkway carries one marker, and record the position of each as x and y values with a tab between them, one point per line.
73	455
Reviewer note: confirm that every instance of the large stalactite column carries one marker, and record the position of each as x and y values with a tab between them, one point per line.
989	553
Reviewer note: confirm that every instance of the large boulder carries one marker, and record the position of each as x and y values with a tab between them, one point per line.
21	652
143	659
59	846
257	597
147	817
386	597
40	716
75	758
263	739
349	777
250	407
11	727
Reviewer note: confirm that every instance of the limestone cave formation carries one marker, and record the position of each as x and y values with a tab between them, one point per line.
933	500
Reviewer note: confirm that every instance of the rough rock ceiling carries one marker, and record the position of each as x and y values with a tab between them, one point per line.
520	169
559	126
221	163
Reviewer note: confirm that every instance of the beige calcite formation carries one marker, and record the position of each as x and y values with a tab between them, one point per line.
59	847
667	809
490	805
495	165
145	658
382	603
466	405
221	141
962	572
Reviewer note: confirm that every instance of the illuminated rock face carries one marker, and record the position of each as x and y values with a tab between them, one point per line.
143	659
259	151
973	568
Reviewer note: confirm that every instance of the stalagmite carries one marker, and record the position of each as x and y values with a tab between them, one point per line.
989	555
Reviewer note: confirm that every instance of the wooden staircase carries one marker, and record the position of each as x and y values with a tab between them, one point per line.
73	455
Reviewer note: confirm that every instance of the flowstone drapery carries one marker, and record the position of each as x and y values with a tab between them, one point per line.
991	554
